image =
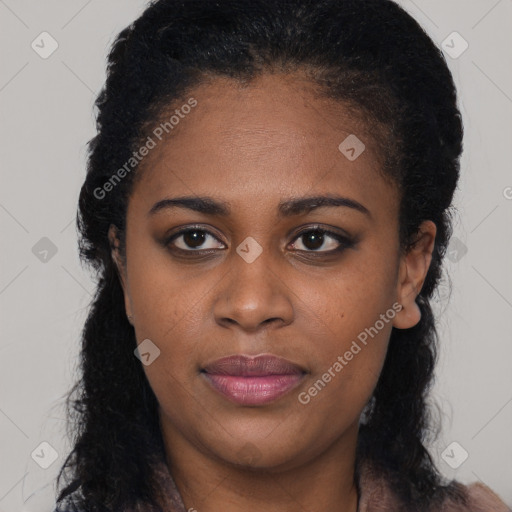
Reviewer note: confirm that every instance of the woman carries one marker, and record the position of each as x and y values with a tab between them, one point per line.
267	207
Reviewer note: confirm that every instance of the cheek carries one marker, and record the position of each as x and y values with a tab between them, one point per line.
347	302
165	299
351	319
340	387
348	367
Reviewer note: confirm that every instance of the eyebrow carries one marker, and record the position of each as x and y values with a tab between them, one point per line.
288	208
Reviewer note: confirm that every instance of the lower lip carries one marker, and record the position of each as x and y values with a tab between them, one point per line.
253	390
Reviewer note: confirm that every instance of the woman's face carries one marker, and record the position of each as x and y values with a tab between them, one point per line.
253	277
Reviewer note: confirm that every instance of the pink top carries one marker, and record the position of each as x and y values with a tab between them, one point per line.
376	496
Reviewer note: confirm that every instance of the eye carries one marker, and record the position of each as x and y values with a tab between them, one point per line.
194	239
321	240
313	240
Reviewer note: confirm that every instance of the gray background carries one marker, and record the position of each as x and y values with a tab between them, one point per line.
46	119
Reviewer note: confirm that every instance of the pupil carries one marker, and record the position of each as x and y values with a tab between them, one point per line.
194	238
317	239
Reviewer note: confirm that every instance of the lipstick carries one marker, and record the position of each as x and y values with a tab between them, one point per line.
257	380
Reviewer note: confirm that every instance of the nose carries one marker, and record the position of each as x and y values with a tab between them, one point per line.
253	295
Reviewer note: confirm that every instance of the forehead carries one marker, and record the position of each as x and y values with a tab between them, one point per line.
275	135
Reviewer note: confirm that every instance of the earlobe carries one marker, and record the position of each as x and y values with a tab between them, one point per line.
412	274
408	317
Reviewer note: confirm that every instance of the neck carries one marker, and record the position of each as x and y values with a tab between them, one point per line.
207	483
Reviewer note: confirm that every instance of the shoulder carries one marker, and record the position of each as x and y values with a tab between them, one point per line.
480	498
379	494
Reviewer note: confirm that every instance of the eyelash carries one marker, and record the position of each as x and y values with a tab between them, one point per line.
345	242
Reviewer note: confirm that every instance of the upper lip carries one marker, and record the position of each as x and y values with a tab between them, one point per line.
261	365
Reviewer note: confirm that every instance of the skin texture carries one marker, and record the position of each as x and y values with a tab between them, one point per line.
253	147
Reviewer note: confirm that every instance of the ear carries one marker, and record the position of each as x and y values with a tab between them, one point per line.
412	273
114	241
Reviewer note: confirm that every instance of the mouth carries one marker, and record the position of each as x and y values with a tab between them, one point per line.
247	380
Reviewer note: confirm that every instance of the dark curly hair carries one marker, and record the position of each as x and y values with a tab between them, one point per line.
369	55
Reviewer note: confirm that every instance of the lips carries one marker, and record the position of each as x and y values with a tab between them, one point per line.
256	380
244	366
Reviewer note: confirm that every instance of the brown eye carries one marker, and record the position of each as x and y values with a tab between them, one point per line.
321	240
194	239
